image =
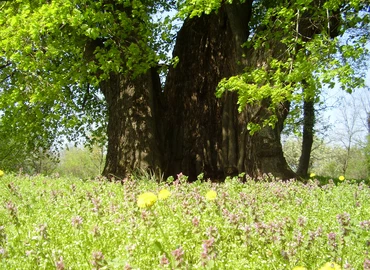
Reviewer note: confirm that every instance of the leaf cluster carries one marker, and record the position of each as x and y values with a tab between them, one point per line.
305	46
54	55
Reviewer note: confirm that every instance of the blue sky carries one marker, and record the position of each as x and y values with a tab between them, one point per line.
347	107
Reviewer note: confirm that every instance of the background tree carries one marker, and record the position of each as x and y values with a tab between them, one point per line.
340	150
348	133
13	156
307	137
81	162
327	159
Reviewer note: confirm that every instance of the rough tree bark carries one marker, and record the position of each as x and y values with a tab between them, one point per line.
133	139
197	132
206	134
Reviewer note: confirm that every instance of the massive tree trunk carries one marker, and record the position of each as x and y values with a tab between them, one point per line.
133	138
206	134
198	133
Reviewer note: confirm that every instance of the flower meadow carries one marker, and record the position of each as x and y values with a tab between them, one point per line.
65	223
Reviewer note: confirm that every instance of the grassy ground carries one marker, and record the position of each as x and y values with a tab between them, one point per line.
60	223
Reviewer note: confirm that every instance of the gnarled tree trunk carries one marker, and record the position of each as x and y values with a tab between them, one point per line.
206	134
133	138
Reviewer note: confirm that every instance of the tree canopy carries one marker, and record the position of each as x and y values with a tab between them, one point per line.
323	44
49	79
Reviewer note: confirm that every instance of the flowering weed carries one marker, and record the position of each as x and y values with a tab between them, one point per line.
61	223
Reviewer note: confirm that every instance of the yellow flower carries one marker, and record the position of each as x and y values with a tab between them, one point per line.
146	199
312	175
330	266
211	195
164	194
1	173
341	178
299	268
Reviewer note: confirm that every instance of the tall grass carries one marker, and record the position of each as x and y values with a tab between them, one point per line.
65	223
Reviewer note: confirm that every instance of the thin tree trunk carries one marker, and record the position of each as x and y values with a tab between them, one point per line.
307	138
307	28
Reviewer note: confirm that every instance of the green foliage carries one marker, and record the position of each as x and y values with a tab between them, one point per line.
251	225
42	81
329	160
81	163
193	8
302	48
14	158
12	155
367	152
54	55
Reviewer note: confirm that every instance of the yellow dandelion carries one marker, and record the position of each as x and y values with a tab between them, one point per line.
146	199
299	268
211	195
312	175
330	266
164	194
341	178
1	173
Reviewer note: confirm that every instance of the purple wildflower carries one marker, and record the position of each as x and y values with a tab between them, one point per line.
302	221
60	264
77	221
332	237
365	225
195	221
12	208
42	230
344	219
164	260
367	264
97	260
179	255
